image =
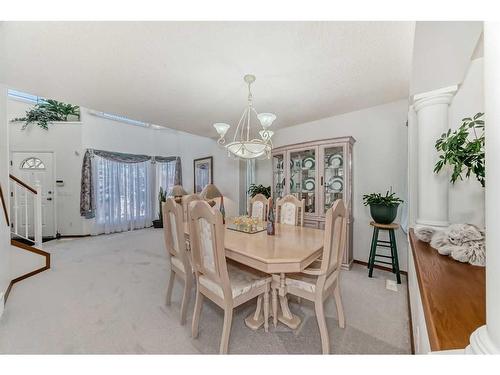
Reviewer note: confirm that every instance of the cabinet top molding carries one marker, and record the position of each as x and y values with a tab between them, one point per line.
318	142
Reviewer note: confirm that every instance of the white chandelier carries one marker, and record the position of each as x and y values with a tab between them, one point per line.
243	145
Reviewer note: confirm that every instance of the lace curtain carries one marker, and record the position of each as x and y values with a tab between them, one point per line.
123	199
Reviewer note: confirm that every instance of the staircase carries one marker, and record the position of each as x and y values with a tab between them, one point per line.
26	231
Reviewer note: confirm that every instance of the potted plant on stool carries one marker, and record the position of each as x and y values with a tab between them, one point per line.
162	197
383	209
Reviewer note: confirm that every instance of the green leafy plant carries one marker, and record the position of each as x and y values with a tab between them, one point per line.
253	190
48	111
463	153
389	199
162	197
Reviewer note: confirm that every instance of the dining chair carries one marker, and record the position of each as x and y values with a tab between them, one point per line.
225	283
290	210
186	199
321	279
258	206
180	263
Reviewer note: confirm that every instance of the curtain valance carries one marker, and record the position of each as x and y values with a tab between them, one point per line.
120	157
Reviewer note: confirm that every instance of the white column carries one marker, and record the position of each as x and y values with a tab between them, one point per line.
432	121
486	339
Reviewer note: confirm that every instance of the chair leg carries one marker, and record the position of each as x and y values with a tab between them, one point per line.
340	307
185	299
323	330
170	286
226	331
275	306
196	314
266	309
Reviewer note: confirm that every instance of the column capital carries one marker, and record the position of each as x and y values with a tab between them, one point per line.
480	343
439	96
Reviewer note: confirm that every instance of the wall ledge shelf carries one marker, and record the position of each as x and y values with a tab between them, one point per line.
453	296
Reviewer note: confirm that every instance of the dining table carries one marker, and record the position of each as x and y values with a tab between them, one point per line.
290	250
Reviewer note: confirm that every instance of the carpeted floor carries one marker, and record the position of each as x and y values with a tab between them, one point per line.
106	294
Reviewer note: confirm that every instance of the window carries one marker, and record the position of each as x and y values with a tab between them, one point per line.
19	95
165	173
124	119
32	163
123	195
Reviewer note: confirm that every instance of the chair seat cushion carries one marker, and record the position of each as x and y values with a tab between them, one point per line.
308	282
242	280
301	281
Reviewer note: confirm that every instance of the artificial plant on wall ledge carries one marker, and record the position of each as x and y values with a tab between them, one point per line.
463	150
49	111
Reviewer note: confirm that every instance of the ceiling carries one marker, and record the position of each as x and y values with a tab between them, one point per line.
188	75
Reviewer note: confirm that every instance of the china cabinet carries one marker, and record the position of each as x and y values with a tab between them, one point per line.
318	172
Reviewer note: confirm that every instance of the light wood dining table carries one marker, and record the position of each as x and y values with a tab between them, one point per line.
290	250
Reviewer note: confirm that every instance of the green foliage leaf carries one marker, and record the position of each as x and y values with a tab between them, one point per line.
49	111
253	190
390	199
463	150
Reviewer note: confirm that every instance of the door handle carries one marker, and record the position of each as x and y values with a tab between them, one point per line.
321	180
49	199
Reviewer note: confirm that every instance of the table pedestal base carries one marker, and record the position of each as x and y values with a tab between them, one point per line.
285	316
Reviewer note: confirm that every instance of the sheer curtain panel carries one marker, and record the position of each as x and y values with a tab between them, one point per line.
123	195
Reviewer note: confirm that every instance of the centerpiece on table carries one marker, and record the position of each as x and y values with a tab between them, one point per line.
247	224
383	208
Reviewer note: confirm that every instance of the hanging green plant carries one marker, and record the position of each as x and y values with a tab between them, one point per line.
463	150
49	111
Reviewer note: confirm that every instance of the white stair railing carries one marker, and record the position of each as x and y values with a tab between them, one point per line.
26	205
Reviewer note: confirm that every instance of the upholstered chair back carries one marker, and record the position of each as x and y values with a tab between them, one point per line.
206	233
258	206
173	228
290	210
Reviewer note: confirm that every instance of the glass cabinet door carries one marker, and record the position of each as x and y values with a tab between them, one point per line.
278	176
303	177
333	173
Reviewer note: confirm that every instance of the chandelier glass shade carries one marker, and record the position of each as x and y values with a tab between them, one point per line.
247	144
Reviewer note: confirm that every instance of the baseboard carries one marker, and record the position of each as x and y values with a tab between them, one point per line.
410	321
379	267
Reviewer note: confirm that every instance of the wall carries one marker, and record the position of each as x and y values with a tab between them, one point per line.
105	134
69	141
379	160
466	198
441	53
4	181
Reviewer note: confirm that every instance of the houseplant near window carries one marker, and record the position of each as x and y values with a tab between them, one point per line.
463	153
383	208
253	190
49	111
162	197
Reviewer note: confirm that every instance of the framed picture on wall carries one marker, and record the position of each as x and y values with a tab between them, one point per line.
203	173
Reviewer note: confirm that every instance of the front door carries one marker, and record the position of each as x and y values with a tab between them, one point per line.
31	167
